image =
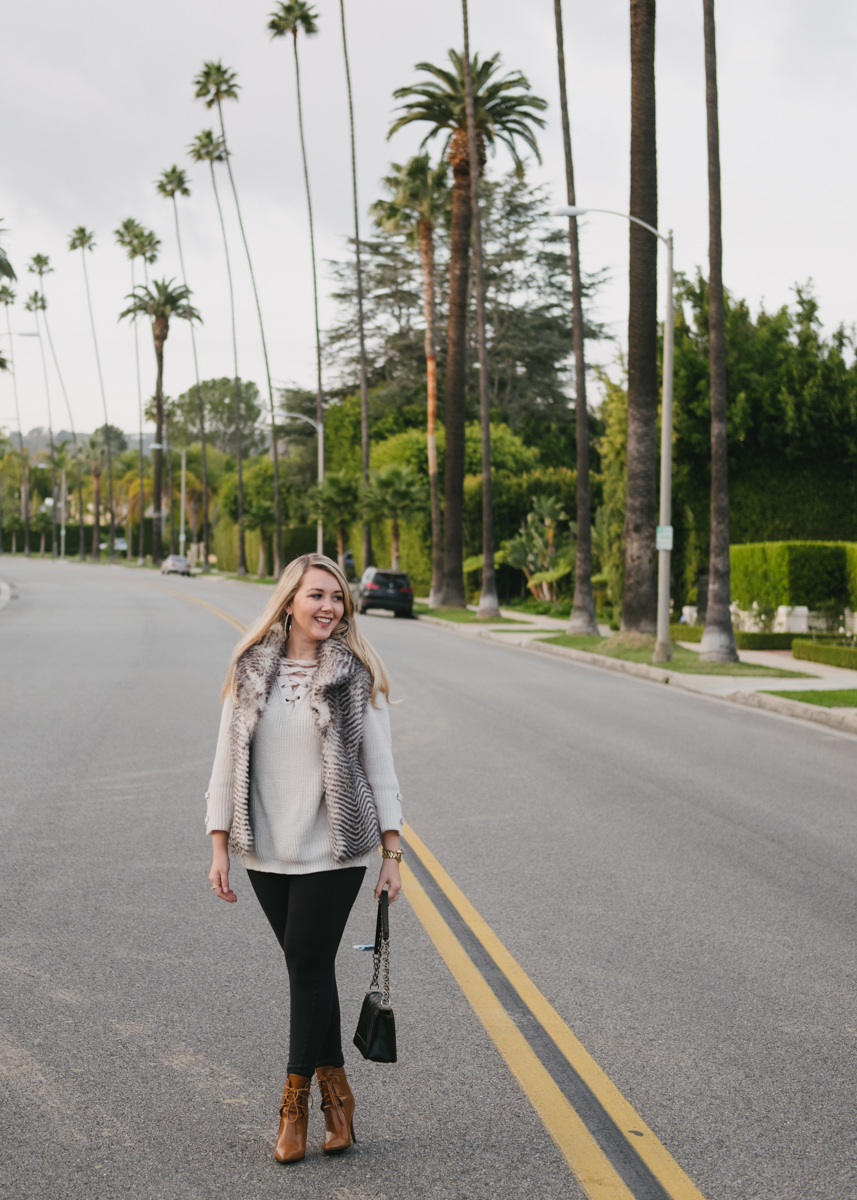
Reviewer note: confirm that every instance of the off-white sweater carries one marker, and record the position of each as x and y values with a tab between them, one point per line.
290	827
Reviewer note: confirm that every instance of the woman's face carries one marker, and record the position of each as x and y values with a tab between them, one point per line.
318	605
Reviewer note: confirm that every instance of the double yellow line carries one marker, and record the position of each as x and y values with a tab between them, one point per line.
591	1167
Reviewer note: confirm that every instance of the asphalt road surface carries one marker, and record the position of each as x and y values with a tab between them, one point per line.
673	876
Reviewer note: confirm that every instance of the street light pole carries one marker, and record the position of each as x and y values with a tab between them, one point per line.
664	536
318	426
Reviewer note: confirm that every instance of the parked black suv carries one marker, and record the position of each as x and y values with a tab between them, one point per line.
385	589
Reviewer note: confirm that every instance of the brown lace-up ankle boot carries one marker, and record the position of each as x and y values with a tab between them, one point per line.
294	1118
337	1104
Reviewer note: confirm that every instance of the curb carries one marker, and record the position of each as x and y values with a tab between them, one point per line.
845	722
796	708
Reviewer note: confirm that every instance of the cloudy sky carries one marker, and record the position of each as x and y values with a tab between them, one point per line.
97	100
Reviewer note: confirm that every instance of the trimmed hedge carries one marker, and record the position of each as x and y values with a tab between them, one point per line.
763	641
831	656
817	574
686	633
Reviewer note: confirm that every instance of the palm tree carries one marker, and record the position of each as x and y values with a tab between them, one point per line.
82	239
7	299
160	301
289	18
209	148
214	84
718	639
173	183
337	502
583	606
40	265
420	198
7	271
42	522
364	387
36	304
396	492
639	608
504	111
130	235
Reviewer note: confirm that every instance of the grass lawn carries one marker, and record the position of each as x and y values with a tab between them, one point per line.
844	698
463	615
685	661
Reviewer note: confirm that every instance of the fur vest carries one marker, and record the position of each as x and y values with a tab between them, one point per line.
338	698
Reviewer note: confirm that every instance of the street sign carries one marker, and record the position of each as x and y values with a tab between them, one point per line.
664	537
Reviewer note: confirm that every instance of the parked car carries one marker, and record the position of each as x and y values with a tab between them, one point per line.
119	545
385	589
175	564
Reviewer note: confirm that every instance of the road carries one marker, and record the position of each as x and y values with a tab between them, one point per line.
673	875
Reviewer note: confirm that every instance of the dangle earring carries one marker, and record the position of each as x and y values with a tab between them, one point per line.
288	625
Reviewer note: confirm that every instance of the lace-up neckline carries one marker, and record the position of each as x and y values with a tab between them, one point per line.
294	678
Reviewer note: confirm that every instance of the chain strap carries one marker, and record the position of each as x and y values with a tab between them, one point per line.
381	960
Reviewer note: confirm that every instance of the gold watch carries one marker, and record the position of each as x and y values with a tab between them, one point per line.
396	855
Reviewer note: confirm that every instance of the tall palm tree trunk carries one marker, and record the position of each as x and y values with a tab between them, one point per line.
453	595
583	607
25	471
639	610
718	639
242	554
427	254
160	334
488	605
111	553
70	417
319	403
275	459
54	548
364	388
205	534
141	554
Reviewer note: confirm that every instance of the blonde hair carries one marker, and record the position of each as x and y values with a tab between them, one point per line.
345	631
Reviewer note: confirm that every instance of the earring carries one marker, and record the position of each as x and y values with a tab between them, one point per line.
288	625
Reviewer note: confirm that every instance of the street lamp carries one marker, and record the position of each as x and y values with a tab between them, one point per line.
318	426
664	536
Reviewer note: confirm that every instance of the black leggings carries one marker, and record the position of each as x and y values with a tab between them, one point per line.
308	914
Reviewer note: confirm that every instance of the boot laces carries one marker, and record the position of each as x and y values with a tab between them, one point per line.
329	1095
296	1103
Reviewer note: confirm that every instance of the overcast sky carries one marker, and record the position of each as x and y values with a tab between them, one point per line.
97	100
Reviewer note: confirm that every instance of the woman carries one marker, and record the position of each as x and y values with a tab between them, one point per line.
304	790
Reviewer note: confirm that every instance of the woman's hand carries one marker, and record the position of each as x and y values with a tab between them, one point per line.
391	876
218	876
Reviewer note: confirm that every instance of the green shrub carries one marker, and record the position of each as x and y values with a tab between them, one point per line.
821	575
686	633
763	641
831	656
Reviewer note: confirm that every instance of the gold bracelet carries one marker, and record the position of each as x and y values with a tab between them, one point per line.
396	855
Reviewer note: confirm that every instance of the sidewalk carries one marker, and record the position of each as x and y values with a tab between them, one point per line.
750	690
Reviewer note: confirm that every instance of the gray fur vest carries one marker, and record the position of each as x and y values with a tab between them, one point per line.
340	692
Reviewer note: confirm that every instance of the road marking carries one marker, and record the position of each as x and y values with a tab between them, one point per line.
626	1118
591	1167
589	1164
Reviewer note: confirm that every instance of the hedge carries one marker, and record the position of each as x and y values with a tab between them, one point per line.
686	633
817	574
832	656
744	641
763	641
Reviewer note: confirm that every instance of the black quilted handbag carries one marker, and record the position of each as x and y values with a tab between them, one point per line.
376	1030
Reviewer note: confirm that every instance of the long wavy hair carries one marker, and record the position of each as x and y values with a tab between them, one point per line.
345	631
